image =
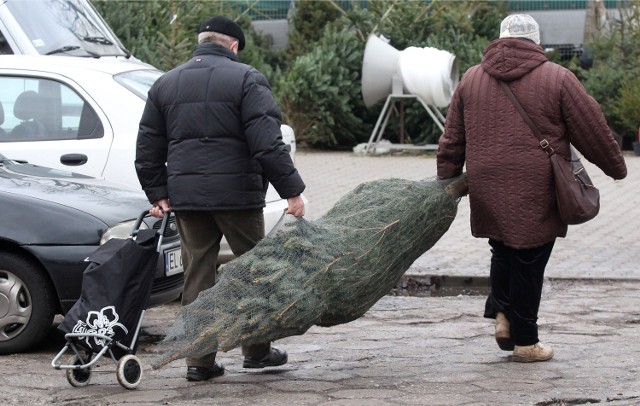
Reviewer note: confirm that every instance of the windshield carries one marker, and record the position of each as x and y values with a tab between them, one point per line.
70	27
138	81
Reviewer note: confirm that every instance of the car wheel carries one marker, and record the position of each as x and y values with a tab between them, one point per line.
27	304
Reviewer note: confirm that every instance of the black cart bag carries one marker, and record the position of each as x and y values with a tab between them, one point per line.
116	287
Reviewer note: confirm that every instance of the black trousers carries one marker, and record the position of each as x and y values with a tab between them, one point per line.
516	288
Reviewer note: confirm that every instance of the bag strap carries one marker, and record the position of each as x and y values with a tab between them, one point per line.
544	144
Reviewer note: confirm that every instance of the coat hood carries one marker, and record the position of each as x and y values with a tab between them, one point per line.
509	59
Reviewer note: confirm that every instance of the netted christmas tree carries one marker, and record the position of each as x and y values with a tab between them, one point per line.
324	272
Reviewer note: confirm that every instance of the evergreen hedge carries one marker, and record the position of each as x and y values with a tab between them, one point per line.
316	79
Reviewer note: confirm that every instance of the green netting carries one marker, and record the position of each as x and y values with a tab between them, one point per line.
325	272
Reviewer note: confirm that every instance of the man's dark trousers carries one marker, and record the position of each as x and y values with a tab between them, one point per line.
200	236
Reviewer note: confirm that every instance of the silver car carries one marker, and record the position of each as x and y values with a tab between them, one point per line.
51	221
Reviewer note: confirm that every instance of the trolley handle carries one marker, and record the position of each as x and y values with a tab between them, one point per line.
161	230
163	227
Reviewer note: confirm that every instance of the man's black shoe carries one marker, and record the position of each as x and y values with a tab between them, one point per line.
204	374
275	358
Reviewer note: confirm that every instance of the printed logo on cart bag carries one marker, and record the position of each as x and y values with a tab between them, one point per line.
101	323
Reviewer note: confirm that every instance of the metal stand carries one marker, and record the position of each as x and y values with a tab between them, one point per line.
383	120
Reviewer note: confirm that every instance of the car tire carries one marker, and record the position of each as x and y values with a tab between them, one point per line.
27	304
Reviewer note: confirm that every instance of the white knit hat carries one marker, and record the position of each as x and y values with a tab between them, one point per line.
520	26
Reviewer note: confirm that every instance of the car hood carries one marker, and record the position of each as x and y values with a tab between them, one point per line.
103	200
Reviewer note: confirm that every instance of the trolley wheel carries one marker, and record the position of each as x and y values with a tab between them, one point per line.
78	377
129	372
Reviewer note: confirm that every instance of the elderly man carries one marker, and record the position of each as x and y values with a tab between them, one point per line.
208	144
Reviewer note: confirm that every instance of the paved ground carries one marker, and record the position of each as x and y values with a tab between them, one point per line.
606	247
414	350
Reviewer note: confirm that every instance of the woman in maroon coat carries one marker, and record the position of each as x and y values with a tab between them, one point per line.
511	187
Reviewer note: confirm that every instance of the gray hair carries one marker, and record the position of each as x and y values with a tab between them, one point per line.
210	37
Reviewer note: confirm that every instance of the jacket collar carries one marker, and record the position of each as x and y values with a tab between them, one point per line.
214	49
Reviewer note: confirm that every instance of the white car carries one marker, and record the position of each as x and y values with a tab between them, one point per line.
82	115
62	27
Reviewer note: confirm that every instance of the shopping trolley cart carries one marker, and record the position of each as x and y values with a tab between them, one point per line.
116	286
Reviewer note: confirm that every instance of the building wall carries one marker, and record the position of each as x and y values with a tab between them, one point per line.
562	22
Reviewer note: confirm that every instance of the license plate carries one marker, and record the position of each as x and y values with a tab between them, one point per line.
172	262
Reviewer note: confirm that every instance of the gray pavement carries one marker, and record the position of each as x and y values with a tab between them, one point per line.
606	247
413	350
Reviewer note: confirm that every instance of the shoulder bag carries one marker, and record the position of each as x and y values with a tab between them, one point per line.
578	200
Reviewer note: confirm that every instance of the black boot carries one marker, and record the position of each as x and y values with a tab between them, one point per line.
274	358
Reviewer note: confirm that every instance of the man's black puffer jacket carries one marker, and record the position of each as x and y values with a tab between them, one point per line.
215	123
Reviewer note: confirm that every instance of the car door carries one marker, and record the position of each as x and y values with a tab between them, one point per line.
44	118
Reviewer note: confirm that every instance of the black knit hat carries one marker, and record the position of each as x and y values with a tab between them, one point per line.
225	26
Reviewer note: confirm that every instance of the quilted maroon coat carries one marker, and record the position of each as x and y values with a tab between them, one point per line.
511	189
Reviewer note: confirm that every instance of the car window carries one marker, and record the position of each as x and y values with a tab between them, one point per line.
68	27
138	81
5	49
38	109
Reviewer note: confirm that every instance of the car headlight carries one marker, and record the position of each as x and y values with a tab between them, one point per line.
121	230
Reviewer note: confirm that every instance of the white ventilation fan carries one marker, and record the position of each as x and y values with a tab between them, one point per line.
427	74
